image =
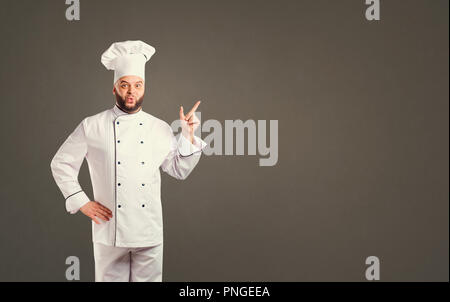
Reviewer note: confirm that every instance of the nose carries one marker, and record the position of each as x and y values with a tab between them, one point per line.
131	90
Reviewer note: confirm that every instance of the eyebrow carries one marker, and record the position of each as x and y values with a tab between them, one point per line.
123	81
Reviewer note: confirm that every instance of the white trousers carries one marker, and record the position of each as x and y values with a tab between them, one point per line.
123	264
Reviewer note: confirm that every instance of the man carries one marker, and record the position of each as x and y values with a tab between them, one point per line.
124	148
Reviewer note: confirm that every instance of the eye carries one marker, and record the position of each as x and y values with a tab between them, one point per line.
138	85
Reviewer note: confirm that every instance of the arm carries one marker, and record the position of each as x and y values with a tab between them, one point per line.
65	167
183	156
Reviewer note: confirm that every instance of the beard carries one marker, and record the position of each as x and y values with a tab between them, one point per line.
122	103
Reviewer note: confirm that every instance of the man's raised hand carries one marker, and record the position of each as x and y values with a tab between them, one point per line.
189	122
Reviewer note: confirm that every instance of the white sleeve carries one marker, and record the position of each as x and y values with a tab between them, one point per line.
65	167
183	156
186	148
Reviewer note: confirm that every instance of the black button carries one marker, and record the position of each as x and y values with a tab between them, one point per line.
118	141
143	205
119	206
117	123
142	162
142	142
140	124
118	162
118	184
143	184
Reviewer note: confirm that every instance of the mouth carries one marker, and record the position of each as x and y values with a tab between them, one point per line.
130	99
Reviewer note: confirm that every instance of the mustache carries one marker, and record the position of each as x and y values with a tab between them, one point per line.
125	97
122	102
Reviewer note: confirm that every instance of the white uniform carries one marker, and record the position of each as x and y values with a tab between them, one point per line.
124	152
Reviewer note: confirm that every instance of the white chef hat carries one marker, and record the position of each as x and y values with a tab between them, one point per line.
127	58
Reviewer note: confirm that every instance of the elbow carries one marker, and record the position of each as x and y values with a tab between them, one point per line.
54	165
184	175
181	176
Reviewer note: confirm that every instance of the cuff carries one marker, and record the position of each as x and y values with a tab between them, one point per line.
75	201
186	148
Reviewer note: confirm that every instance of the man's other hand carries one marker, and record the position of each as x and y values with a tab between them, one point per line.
94	209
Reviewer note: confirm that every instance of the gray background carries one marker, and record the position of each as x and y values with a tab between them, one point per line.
363	135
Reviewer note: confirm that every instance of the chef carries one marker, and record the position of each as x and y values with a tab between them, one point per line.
124	148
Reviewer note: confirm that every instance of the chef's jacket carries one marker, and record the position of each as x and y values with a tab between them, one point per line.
124	152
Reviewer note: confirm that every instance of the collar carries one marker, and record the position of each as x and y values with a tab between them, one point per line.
118	112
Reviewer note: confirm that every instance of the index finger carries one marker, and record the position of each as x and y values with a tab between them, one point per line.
104	208
192	110
102	211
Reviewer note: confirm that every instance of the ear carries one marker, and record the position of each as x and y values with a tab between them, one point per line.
114	90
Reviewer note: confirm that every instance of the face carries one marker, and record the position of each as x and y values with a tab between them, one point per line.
129	92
